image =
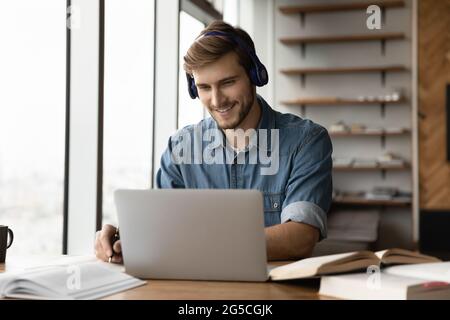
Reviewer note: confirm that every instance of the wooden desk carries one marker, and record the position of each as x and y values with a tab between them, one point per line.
205	290
193	290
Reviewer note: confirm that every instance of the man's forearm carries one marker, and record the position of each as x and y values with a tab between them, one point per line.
290	240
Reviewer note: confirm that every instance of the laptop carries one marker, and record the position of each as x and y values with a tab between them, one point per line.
193	234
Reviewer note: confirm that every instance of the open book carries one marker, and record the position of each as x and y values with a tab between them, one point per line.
85	280
346	262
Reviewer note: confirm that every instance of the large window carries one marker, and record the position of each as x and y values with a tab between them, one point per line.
189	111
32	123
128	99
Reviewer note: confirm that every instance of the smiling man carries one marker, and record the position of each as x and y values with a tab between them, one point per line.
223	70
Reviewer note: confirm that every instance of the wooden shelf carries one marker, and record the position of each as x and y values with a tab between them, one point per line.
348	200
345	168
369	134
336	102
339	7
344	38
303	71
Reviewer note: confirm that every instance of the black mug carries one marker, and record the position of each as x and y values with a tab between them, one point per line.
4	244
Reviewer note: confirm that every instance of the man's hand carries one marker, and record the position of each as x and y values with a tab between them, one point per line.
290	240
103	245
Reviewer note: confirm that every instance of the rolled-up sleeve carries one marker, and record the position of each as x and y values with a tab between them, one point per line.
309	189
169	175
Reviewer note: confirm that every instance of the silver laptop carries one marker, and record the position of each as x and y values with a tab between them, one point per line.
195	234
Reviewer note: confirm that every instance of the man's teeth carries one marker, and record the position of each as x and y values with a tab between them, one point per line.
224	110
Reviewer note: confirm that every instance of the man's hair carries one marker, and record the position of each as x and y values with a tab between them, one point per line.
208	49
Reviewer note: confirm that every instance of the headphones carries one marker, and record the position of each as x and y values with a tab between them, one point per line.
258	72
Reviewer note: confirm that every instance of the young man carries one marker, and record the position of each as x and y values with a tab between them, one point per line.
223	71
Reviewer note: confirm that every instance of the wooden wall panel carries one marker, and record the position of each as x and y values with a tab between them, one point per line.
434	75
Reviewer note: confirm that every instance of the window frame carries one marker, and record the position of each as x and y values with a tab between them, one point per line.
83	188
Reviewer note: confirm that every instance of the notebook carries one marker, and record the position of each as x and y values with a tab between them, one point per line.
84	280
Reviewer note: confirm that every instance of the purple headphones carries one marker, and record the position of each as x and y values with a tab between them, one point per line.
258	72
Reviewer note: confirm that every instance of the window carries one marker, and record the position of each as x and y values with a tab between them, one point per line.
32	123
128	99
189	111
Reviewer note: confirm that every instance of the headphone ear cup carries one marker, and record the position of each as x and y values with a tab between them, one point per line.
253	76
263	76
258	75
192	88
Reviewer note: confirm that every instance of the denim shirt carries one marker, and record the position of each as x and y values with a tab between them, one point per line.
301	188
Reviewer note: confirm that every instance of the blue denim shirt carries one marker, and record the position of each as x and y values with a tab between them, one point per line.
300	190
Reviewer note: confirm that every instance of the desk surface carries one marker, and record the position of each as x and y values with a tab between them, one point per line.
193	290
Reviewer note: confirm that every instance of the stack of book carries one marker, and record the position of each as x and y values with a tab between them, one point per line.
389	159
382	193
349	230
393	274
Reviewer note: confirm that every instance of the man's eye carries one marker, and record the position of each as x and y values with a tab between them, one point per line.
228	82
203	88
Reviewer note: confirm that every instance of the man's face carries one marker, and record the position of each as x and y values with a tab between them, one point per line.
225	90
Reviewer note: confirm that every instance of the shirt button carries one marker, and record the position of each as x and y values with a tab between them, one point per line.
275	205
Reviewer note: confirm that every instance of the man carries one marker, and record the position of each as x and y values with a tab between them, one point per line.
223	71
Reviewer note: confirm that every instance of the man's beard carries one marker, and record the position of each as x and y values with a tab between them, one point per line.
243	113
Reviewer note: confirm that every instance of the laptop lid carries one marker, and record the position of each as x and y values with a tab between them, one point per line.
196	234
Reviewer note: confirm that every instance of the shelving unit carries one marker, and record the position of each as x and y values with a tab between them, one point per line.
331	71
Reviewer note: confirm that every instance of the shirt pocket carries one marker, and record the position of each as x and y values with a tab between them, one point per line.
272	208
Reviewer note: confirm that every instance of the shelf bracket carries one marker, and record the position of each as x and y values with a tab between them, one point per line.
303	110
303	80
383	174
383	78
383	110
303	50
383	47
383	16
383	141
302	19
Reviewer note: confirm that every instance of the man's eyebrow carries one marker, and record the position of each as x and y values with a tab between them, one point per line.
228	79
220	81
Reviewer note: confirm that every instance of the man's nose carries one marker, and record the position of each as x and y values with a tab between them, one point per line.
217	98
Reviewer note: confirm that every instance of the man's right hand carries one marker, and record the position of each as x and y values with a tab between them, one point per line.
103	245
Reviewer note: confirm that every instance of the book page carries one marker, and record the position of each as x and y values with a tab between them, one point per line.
402	256
439	271
89	280
311	266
